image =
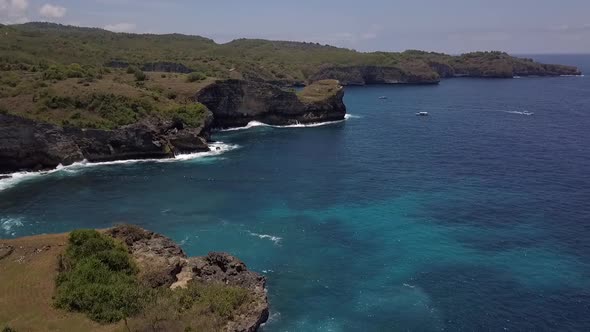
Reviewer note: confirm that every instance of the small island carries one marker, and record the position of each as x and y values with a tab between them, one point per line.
124	279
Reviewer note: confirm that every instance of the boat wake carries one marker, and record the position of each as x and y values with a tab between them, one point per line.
519	112
253	124
217	148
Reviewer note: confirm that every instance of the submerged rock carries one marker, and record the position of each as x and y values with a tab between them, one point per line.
163	263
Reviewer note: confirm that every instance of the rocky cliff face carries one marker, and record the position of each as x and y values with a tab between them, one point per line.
362	75
234	103
163	263
30	145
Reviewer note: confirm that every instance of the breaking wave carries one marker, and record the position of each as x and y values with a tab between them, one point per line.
8	225
217	148
253	124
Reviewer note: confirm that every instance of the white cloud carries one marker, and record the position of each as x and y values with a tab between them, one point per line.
52	11
121	27
13	11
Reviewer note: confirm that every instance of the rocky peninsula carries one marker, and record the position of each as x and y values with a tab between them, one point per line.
30	144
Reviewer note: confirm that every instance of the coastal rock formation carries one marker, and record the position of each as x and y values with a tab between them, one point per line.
363	75
234	103
30	145
163	263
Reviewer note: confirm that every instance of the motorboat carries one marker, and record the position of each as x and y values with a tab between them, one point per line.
422	114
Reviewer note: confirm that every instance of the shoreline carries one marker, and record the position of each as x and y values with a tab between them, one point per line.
9	180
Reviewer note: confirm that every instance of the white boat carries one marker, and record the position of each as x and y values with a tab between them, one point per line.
422	114
383	97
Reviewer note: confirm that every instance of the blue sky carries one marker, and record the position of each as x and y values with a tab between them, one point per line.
452	26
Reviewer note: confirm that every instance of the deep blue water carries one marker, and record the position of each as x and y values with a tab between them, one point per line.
476	218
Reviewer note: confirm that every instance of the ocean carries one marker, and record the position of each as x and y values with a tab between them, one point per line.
475	218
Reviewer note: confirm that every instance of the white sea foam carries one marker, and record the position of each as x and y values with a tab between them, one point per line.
519	112
582	75
273	318
275	239
8	225
217	148
253	124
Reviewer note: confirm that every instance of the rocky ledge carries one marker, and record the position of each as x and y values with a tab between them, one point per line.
162	263
234	103
30	145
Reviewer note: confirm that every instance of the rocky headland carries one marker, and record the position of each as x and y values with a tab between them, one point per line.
161	263
28	144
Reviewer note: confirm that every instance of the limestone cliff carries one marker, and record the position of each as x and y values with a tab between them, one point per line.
234	103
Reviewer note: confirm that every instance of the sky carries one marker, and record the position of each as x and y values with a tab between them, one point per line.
450	26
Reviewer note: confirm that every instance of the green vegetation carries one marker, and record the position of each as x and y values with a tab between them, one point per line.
98	277
192	115
8	329
196	76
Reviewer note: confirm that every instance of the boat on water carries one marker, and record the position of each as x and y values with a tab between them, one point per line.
383	97
422	114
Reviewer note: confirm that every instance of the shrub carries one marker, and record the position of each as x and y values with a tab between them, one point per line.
196	76
98	277
193	115
8	329
140	76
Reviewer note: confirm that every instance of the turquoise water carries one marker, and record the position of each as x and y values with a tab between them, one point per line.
474	218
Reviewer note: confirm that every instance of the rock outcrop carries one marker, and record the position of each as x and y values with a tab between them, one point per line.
234	103
162	263
29	145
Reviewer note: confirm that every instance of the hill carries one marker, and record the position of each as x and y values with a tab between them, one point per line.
32	45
